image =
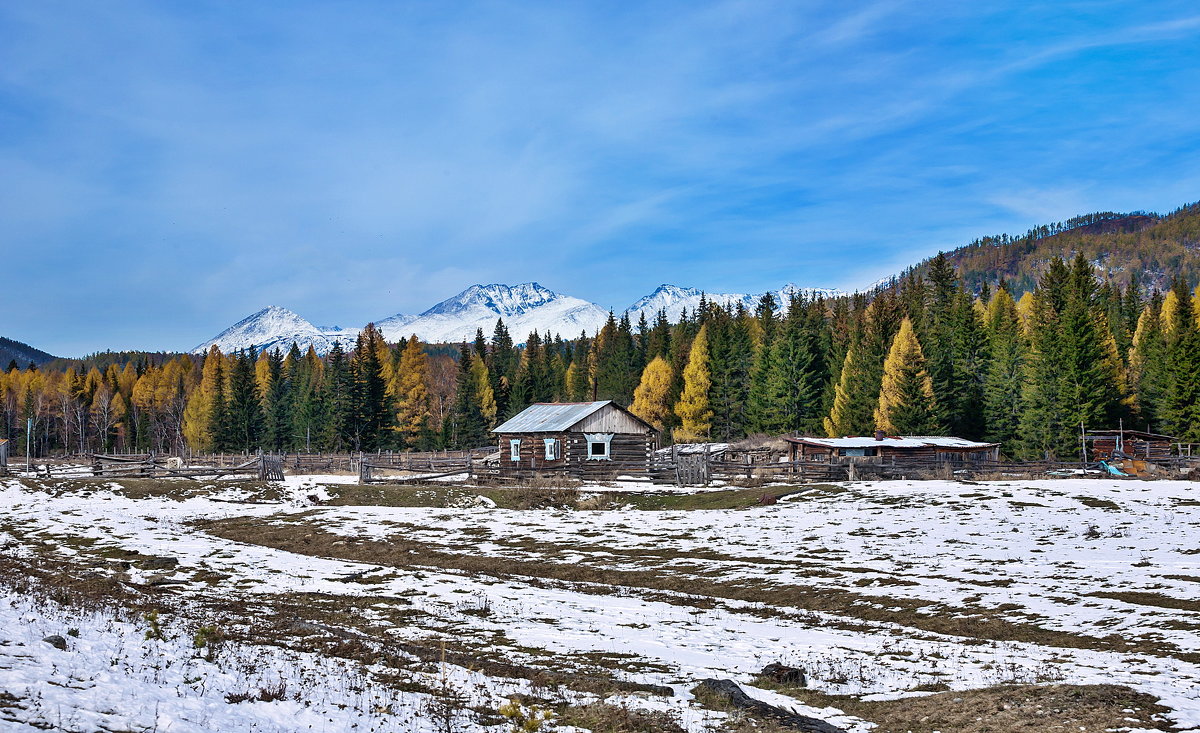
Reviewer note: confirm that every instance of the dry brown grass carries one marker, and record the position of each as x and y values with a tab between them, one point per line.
1143	598
923	614
605	718
1001	709
177	489
549	493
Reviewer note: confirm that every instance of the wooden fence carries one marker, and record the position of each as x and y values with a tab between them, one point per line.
671	467
419	467
262	467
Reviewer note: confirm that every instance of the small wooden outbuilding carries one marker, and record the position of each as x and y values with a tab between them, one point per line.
882	448
582	439
1107	445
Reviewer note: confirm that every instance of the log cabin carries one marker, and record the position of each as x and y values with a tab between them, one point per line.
582	439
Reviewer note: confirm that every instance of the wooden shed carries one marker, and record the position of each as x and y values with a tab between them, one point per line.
882	448
582	439
1107	445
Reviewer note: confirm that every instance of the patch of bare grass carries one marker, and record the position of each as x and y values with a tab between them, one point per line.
1143	598
600	717
1000	709
923	614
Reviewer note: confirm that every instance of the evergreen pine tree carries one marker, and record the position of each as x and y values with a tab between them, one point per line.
1046	425
243	431
1181	400
1092	385
616	368
1005	370
308	415
276	402
338	388
1147	363
466	426
765	411
372	405
731	354
502	367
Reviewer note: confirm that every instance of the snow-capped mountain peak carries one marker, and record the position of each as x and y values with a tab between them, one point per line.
525	308
270	328
504	300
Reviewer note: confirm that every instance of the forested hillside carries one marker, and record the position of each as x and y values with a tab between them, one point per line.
22	354
1142	248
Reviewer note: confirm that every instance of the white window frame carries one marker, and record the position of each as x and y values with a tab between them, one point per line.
514	450
599	438
553	451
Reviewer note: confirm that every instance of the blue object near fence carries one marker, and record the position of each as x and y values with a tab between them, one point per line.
1112	469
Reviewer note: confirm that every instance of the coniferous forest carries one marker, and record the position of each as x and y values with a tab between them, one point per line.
924	355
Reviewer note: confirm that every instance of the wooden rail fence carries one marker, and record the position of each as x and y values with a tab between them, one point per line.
673	466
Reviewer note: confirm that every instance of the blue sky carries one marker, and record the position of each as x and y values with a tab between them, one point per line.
168	168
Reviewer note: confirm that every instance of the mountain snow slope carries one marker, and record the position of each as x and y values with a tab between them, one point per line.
674	299
275	327
525	308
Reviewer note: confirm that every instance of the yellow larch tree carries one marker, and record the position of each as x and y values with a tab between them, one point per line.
202	406
484	394
693	407
906	403
412	395
652	395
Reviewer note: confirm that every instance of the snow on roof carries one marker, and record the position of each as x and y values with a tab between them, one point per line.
693	448
550	417
893	441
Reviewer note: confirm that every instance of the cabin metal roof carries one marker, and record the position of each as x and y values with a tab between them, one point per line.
893	441
550	417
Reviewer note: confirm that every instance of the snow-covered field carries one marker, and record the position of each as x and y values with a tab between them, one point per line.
877	589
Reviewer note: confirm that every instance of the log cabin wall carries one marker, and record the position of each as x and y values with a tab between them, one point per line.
532	452
628	453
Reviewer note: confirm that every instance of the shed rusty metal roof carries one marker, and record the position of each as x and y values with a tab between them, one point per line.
550	417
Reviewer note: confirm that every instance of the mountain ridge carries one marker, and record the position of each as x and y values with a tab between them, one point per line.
1143	247
525	307
1147	248
12	350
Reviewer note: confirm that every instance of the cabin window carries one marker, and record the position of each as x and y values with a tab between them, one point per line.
856	452
514	450
553	452
599	446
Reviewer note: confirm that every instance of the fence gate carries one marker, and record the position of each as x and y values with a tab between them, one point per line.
270	468
691	469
